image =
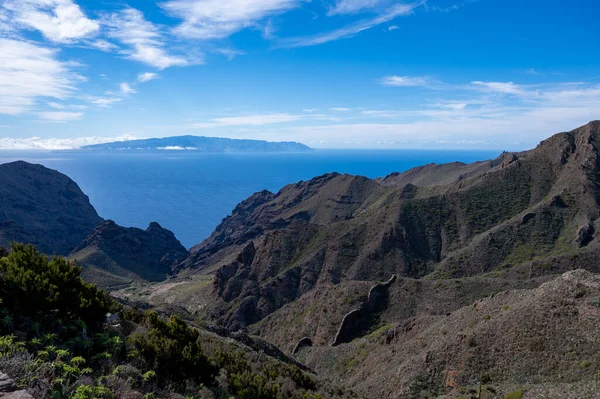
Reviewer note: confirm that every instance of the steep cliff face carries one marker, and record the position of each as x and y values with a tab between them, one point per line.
530	213
128	253
43	207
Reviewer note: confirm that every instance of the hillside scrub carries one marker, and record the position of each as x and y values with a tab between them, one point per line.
57	342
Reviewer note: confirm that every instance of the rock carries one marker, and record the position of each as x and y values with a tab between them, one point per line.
17	395
8	389
6	383
112	318
303	343
43	207
527	217
585	234
357	322
508	159
149	254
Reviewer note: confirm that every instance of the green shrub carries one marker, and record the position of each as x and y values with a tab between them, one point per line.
39	293
171	350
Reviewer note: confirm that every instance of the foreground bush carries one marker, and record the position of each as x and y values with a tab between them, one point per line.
56	341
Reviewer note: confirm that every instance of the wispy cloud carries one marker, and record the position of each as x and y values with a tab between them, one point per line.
29	71
249	120
60	21
126	89
501	87
56	105
144	39
351	29
215	19
147	76
230	53
103	45
409	81
103	102
60	116
354	6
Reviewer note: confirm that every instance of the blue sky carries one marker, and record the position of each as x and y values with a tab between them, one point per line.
329	73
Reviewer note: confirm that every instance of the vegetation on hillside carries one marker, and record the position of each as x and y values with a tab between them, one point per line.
59	339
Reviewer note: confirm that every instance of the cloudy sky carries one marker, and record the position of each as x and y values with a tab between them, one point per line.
499	74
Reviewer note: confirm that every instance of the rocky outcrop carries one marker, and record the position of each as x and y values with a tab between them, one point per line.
9	390
303	343
356	323
43	207
148	254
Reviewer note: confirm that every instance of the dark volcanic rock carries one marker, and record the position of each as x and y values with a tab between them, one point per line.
43	207
149	254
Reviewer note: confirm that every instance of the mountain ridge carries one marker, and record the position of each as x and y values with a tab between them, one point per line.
523	209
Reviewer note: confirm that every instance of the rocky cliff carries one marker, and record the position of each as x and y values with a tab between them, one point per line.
43	207
128	253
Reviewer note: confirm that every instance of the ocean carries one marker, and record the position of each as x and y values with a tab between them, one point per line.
190	193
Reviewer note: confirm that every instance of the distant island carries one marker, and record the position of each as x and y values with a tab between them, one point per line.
200	144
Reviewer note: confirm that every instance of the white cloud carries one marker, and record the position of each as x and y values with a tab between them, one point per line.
501	87
103	45
29	71
147	76
145	39
126	89
214	19
59	116
56	105
340	109
354	6
392	27
38	143
60	21
250	120
450	105
351	29
104	102
408	81
176	148
230	53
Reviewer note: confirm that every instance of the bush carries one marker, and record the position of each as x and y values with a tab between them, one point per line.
42	294
171	352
